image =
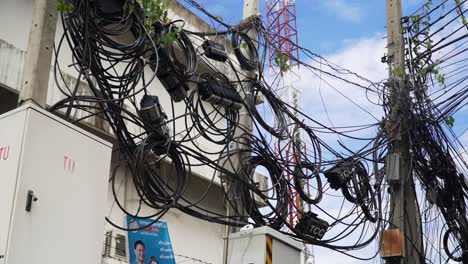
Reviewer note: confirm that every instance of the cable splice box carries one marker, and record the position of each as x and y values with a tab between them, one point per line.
339	175
215	51
172	71
311	225
110	8
219	93
152	113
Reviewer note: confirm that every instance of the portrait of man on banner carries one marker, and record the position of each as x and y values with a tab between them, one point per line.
150	245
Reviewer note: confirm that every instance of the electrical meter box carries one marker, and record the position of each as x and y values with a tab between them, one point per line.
263	245
53	188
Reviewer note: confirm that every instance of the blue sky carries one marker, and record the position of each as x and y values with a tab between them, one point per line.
324	26
350	33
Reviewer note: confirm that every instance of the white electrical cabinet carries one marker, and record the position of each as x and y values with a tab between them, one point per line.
263	245
63	171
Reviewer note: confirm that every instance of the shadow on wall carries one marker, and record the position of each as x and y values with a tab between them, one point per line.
8	100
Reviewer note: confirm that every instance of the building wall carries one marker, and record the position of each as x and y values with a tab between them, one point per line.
190	237
14	42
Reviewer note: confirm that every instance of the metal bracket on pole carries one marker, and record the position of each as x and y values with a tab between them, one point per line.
392	167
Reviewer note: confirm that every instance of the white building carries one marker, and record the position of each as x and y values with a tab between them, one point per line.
192	239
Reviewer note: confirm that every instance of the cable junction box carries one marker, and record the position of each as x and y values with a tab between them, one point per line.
263	245
393	168
152	113
339	175
215	51
110	8
219	93
311	225
53	187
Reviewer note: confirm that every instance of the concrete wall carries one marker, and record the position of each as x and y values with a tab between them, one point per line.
191	237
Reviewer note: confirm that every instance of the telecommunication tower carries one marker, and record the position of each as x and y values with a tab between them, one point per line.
283	48
283	52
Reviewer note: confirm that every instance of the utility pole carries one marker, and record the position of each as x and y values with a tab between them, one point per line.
36	69
404	210
241	146
250	9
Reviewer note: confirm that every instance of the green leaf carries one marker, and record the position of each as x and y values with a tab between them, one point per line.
402	29
450	121
283	61
166	39
155	10
441	79
429	44
129	6
428	4
244	45
64	7
399	72
423	71
416	18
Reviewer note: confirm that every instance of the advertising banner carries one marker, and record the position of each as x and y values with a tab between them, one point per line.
151	245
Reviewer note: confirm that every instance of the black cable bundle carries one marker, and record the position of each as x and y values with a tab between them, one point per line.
217	124
207	133
159	188
174	70
242	43
260	93
300	177
274	219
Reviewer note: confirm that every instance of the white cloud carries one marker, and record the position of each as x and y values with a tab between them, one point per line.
345	10
342	101
464	138
363	57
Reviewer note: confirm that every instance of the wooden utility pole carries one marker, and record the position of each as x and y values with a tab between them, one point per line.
36	69
404	211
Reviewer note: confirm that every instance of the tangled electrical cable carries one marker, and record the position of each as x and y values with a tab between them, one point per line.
437	45
196	125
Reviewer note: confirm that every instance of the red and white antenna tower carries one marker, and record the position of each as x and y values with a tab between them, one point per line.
282	28
283	44
283	51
